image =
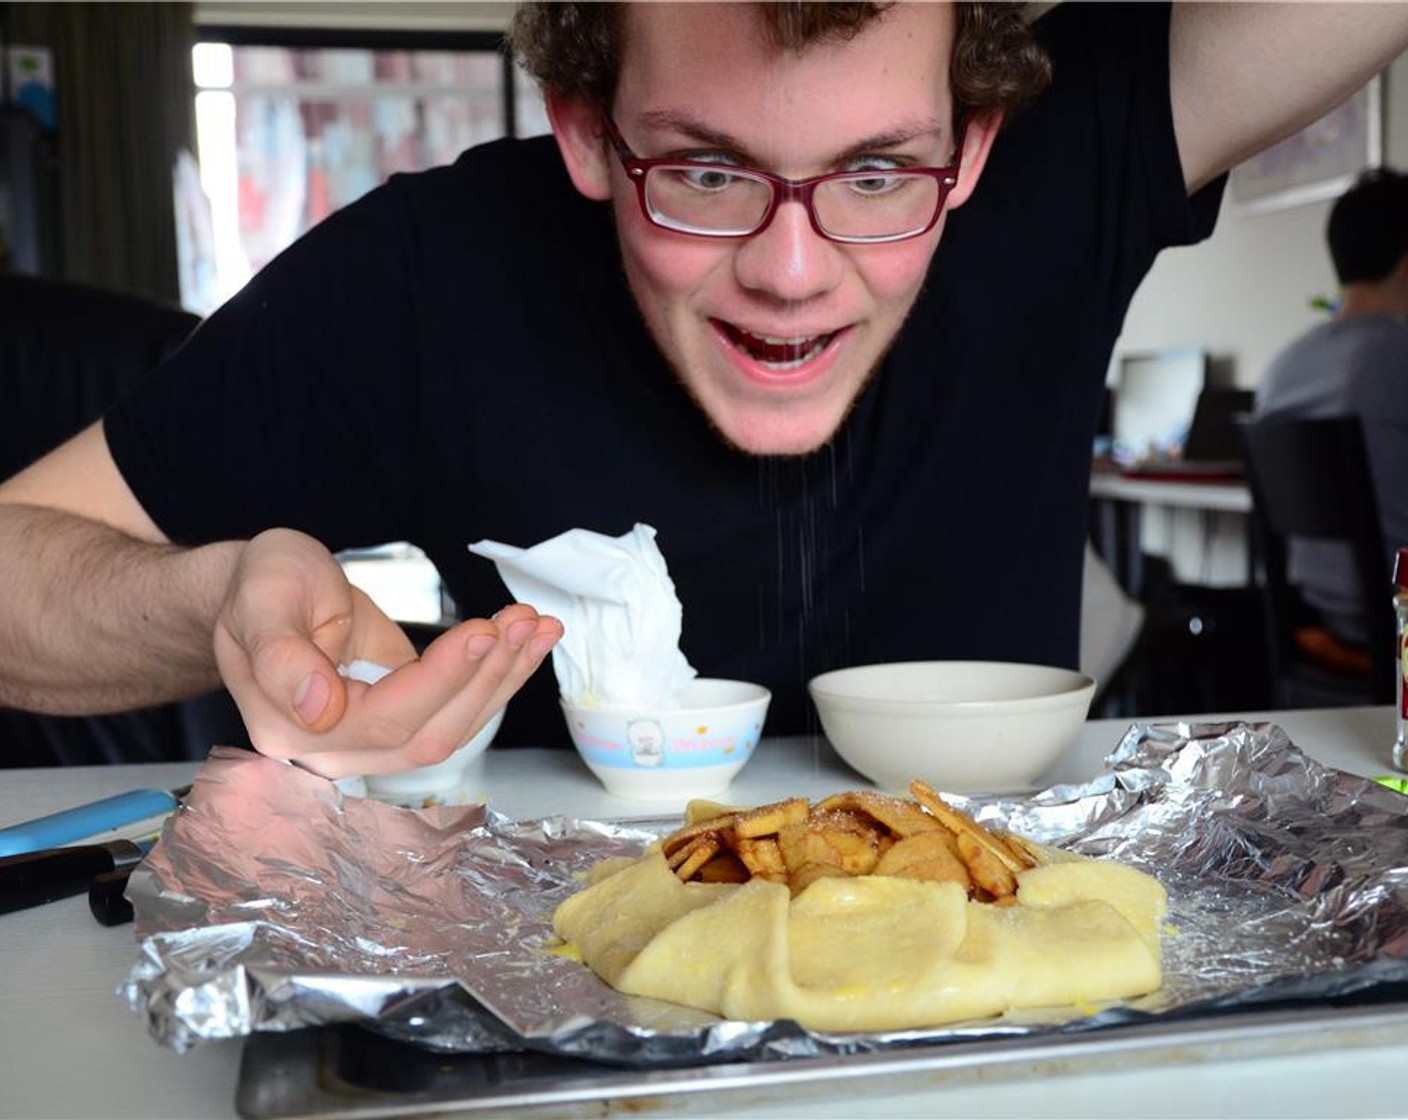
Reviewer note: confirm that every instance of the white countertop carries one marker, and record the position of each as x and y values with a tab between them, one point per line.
72	1049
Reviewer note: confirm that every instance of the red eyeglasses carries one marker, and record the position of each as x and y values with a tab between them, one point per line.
863	207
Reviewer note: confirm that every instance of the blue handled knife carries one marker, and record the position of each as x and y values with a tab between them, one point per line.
88	820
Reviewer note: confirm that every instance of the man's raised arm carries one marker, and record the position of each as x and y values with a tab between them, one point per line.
1245	75
99	612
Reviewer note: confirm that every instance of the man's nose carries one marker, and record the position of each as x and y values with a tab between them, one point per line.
789	260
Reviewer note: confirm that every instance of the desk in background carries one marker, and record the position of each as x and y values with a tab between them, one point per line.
1200	529
1183	549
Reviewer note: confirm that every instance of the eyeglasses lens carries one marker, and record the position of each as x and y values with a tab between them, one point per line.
707	200
877	207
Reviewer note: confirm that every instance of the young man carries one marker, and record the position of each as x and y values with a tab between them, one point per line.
1355	365
862	435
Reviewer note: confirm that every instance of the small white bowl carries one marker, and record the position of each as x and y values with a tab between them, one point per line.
430	783
672	754
962	726
422	784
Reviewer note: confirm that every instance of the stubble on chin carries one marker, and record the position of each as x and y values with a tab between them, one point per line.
819	443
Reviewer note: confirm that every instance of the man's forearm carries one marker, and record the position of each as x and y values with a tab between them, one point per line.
92	620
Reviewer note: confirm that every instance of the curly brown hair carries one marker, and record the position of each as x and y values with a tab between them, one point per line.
574	48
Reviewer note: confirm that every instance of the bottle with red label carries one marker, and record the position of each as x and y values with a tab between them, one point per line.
1400	604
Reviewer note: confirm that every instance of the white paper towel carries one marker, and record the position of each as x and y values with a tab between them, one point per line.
620	615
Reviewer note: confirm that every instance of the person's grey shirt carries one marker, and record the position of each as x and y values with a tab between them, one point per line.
1354	366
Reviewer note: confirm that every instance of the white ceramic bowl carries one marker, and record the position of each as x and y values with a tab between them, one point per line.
962	726
676	753
413	787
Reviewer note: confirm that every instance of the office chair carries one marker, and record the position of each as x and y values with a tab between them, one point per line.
66	352
1311	479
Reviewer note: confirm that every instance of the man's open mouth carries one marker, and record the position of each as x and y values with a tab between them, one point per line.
780	354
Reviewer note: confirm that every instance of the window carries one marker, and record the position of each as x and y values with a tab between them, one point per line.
292	125
289	132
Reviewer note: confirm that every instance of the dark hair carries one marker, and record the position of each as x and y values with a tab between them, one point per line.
574	49
1368	227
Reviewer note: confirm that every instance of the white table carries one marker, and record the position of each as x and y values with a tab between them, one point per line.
1223	496
71	1049
1200	528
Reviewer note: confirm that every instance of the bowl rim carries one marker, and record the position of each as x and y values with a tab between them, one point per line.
762	694
413	780
1079	683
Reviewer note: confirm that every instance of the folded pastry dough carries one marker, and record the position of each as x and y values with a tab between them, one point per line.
871	952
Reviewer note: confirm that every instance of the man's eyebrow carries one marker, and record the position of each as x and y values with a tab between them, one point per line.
686	125
896	137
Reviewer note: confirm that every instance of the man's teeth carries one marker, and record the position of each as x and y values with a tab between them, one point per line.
782	353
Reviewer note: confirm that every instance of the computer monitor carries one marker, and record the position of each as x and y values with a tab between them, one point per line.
1155	397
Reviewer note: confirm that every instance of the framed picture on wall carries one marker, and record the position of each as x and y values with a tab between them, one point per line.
1316	163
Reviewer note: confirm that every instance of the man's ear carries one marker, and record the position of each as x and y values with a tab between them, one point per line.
576	123
977	143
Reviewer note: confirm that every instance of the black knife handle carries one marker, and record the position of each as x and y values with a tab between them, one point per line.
107	897
35	878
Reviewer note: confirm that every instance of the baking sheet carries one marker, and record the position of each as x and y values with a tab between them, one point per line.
321	1073
274	903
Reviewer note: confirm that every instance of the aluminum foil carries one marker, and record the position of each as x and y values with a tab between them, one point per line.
274	902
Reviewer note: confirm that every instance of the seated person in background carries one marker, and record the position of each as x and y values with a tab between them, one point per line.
789	282
1355	365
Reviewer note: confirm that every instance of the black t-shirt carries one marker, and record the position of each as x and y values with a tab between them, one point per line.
457	357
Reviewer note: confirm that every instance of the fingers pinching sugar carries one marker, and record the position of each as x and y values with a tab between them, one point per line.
413	715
